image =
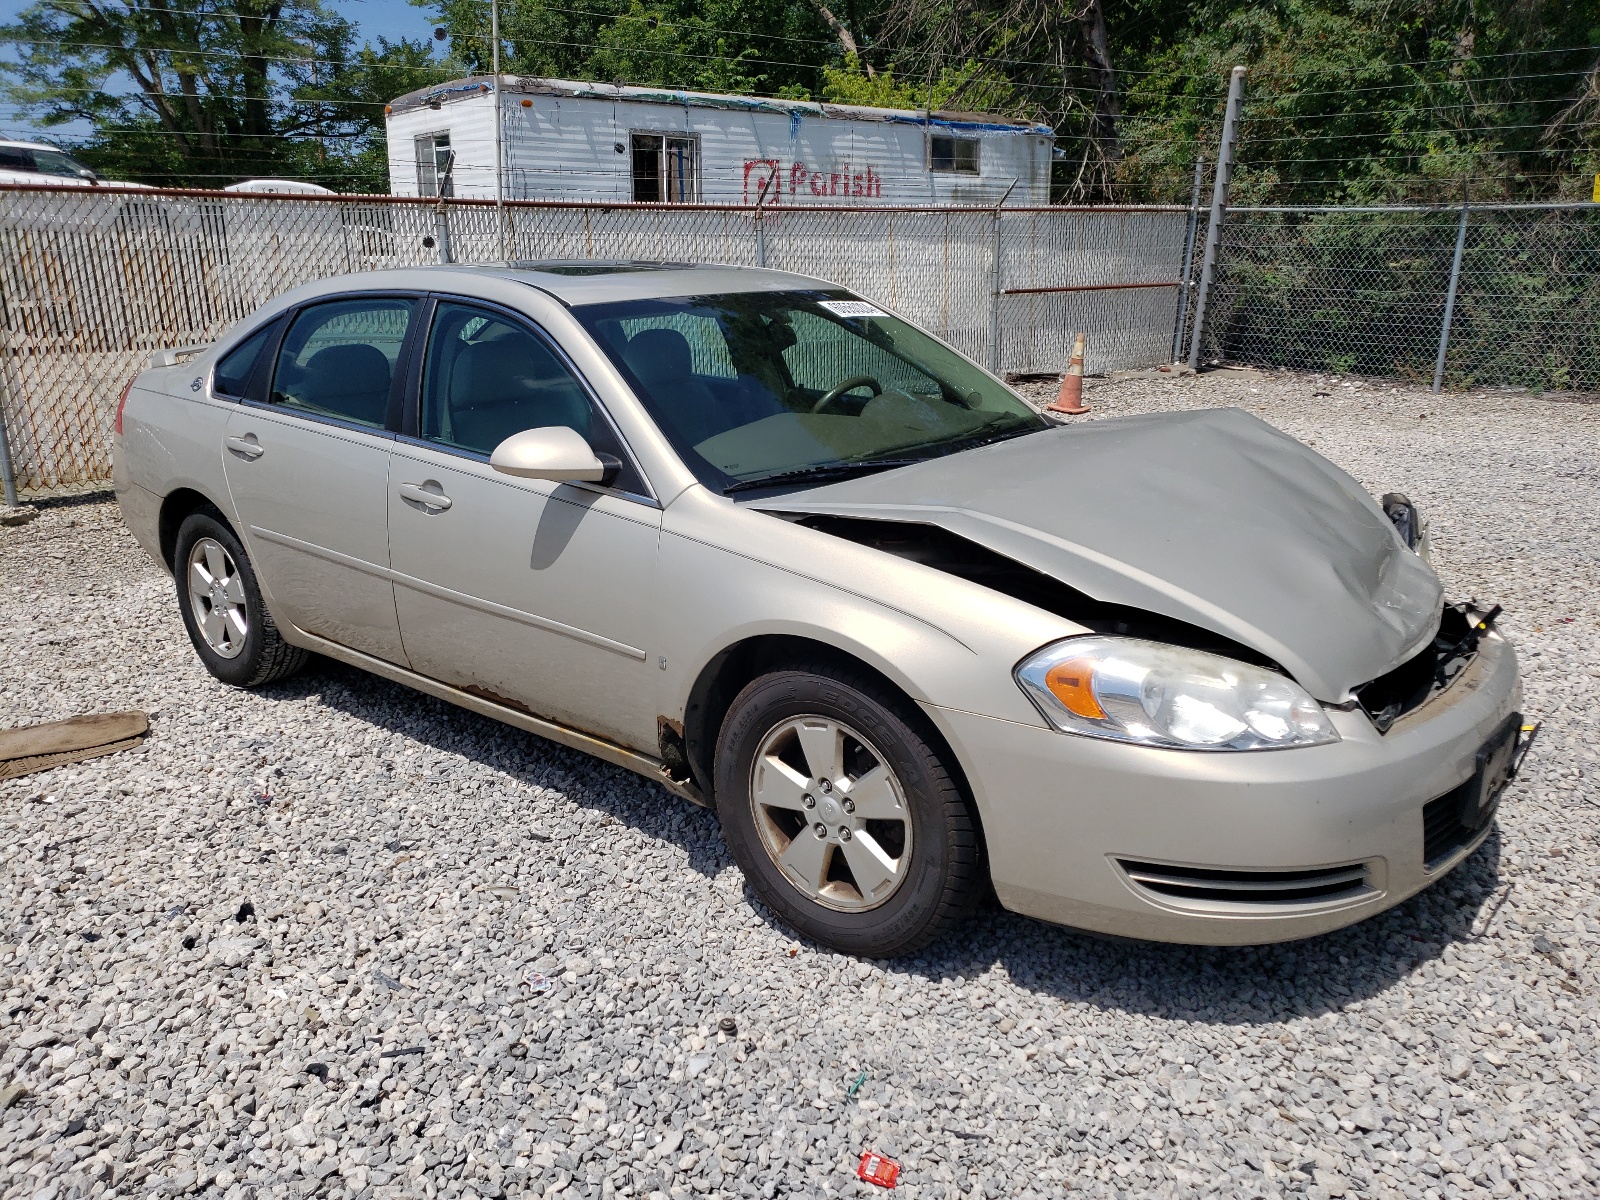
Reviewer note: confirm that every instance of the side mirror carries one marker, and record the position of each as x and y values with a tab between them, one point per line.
553	452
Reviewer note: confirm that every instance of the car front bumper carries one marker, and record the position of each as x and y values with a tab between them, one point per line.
1229	848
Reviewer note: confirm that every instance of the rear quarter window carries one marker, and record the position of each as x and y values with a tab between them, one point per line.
234	369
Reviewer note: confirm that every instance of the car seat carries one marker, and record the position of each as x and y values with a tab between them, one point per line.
501	387
664	363
350	381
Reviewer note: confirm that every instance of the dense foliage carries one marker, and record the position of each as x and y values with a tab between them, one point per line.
201	95
1346	100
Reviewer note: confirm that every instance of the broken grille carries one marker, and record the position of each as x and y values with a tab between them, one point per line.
1423	676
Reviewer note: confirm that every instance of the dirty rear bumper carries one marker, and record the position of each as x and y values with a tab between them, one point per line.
1077	827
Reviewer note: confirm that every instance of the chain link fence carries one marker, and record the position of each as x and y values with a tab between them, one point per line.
93	281
1365	291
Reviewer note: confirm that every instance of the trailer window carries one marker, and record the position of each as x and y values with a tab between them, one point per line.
666	168
954	155
433	162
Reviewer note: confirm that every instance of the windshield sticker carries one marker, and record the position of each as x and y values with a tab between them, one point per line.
852	308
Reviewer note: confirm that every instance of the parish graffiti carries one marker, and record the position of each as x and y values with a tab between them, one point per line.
801	181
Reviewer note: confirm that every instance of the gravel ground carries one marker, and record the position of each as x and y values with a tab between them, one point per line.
337	938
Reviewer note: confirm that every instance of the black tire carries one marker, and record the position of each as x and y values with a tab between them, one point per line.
944	876
263	657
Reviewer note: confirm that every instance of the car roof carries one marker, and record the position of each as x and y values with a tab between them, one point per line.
12	144
577	282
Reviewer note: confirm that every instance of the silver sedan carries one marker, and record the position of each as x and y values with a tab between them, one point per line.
779	550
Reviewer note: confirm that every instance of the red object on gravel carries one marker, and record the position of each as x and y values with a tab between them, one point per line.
875	1168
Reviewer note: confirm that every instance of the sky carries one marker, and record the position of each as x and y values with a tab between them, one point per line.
392	19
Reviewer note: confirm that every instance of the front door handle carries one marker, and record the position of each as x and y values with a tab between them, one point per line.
426	494
246	447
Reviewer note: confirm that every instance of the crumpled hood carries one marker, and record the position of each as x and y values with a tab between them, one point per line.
1213	517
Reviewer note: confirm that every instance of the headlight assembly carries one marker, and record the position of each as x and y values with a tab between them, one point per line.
1130	690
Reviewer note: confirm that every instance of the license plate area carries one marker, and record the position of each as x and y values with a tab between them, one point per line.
1459	816
1495	761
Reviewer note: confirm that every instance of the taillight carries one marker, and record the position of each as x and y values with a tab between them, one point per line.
121	404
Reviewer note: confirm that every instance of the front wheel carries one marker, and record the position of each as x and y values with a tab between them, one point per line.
222	609
843	818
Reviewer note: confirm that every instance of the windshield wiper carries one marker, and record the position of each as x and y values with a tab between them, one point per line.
824	472
971	439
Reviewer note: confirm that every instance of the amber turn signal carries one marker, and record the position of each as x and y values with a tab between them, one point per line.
1072	683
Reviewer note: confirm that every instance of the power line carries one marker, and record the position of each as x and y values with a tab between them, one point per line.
1393	133
1384	114
1221	74
1421	83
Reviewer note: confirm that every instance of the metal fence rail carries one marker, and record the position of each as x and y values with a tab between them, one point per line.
1366	290
92	281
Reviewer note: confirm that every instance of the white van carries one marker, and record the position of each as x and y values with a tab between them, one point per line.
278	187
34	162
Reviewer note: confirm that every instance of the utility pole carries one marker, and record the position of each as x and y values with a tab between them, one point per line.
499	153
1219	208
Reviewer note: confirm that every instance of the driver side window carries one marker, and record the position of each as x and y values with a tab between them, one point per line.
487	376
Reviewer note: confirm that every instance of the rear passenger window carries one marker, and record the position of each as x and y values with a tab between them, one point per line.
232	374
338	359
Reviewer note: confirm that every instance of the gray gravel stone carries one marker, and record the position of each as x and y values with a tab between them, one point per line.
376	1024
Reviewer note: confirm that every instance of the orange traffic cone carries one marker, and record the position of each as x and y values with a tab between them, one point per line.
1071	398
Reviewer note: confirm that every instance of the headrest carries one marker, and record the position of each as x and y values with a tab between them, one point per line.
353	367
660	354
491	372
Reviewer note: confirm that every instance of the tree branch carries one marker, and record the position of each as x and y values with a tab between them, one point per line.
846	38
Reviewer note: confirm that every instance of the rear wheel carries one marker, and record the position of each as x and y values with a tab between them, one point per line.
222	608
841	815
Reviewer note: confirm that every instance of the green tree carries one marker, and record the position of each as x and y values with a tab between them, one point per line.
206	93
761	47
1368	100
970	87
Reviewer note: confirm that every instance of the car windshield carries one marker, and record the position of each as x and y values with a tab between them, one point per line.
53	162
776	389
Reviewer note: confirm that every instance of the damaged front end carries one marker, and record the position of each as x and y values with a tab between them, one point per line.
1429	672
934	546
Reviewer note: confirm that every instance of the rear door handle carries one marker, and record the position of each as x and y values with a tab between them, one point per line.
428	495
246	447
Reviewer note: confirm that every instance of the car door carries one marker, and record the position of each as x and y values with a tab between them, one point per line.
308	468
529	593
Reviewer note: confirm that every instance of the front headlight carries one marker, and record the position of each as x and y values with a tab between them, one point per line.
1130	690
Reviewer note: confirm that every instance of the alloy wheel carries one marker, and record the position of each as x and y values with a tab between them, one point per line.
831	813
216	594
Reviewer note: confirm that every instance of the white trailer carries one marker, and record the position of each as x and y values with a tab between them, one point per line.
565	140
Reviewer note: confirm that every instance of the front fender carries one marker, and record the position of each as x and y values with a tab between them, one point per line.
728	574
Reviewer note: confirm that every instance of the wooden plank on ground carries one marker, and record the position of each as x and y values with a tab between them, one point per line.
56	743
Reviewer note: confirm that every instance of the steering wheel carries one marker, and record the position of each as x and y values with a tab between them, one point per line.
849	385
